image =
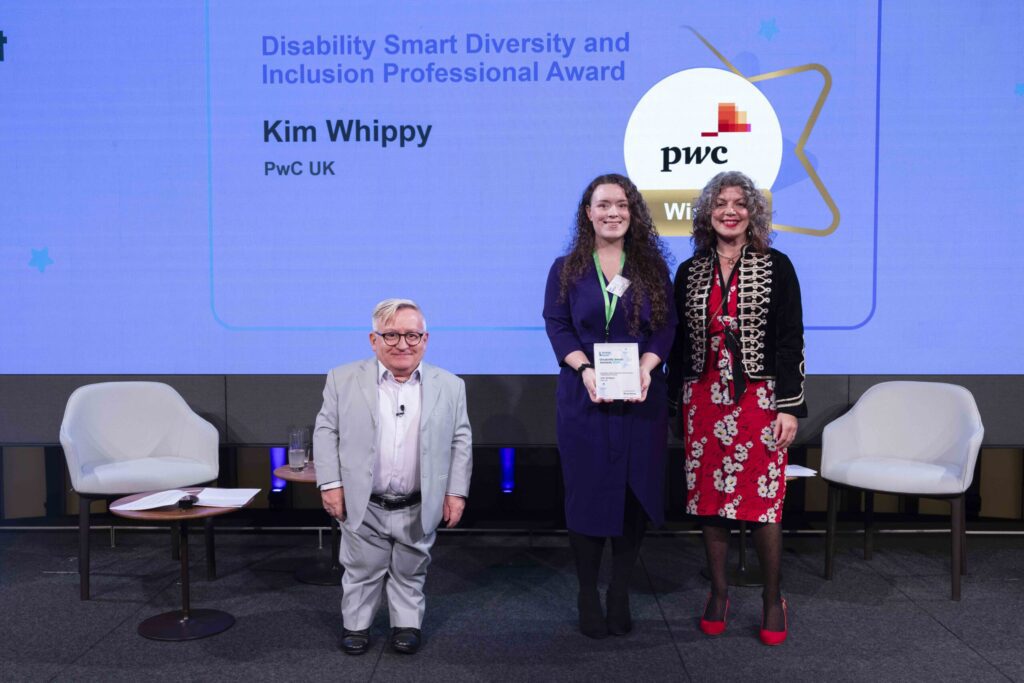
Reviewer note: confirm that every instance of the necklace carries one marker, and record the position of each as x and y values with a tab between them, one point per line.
730	260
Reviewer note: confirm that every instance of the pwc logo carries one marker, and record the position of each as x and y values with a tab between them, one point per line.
689	127
730	120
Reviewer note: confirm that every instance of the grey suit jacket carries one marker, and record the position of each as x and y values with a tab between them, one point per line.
345	438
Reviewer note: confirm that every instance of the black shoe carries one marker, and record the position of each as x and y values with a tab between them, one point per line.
355	642
619	620
592	623
405	640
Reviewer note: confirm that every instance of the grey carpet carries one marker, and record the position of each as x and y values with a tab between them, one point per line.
502	608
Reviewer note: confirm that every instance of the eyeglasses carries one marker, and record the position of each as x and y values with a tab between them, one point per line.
391	338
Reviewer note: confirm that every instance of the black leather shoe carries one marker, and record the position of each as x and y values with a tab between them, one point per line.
405	640
620	622
355	642
592	623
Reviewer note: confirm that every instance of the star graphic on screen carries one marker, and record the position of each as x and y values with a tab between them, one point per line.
768	28
41	259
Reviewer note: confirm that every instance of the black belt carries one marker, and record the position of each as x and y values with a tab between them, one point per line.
395	502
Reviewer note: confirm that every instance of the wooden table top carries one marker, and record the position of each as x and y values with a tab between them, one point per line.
169	513
306	475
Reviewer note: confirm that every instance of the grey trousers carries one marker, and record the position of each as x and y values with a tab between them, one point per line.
388	550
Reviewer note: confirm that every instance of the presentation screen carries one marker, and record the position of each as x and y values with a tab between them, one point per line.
230	187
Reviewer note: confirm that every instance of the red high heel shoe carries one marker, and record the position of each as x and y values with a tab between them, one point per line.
776	637
713	628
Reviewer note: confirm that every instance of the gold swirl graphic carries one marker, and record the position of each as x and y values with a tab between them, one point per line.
804	135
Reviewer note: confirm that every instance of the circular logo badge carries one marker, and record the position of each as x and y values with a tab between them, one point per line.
691	126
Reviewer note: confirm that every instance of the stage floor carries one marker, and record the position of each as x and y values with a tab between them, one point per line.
503	608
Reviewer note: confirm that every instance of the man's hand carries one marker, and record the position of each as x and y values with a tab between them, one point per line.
785	430
453	507
334	502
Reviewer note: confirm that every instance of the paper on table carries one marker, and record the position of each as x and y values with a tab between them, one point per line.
225	498
800	471
154	500
209	497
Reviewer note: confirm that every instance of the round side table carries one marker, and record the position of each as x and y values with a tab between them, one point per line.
324	572
186	623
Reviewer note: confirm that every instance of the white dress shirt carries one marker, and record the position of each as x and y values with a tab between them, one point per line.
397	471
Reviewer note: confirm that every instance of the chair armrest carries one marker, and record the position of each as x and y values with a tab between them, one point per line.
199	441
840	442
963	454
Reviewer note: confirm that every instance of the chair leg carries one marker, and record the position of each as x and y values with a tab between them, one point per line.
83	547
869	523
830	530
211	558
963	540
957	532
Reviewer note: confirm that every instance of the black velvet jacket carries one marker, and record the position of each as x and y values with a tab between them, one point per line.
771	328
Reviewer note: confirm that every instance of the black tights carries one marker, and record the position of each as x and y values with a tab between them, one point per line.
625	549
768	542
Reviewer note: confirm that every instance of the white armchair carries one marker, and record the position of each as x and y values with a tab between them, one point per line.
906	438
126	437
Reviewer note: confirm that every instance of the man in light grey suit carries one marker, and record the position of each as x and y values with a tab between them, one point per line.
393	460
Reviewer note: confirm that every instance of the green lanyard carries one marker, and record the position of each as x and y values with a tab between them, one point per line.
609	304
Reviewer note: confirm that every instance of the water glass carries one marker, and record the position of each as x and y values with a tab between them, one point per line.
296	448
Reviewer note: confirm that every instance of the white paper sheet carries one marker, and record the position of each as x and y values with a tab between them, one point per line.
226	498
154	500
800	471
209	497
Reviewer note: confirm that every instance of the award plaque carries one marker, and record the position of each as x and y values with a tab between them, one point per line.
617	367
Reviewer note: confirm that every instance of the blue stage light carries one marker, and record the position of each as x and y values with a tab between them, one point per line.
278	457
508	469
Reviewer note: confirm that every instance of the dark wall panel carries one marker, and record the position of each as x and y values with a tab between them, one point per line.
510	410
1000	400
827	398
262	407
32	406
504	410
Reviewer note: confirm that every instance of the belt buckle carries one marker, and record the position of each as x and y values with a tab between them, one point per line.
392	503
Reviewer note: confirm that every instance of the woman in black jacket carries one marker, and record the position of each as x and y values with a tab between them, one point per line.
736	375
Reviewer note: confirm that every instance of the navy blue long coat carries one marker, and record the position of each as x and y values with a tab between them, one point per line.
606	446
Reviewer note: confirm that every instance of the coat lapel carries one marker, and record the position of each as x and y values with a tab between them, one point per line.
431	392
368	387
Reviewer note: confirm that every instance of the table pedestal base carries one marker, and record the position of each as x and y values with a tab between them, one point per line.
320	574
199	623
742	577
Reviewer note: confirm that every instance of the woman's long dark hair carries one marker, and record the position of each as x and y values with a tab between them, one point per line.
647	256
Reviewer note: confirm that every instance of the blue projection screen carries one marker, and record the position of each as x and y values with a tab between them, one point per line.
229	187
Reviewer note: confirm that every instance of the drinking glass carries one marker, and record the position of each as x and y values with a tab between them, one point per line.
297	448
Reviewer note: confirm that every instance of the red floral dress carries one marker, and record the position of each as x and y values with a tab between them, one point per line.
733	468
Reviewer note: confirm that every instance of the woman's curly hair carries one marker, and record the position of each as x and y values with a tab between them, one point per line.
647	256
759	232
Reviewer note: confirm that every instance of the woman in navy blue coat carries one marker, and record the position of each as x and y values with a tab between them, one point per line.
612	452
